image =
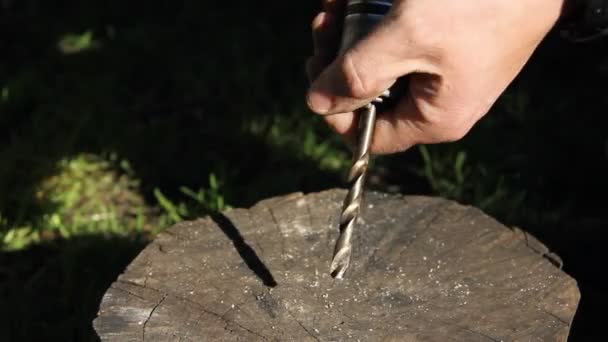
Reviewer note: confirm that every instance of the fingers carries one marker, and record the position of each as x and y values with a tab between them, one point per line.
458	57
325	35
416	119
364	71
396	130
326	28
335	7
430	114
345	124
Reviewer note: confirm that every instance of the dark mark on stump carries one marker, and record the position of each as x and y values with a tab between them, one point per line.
245	251
268	304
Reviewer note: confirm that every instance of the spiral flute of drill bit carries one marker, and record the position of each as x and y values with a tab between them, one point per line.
352	203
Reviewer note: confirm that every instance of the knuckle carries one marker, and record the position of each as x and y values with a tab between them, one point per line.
316	22
354	81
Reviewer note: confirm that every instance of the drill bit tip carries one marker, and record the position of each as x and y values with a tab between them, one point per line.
340	263
343	248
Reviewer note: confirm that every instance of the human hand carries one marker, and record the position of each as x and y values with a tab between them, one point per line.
460	56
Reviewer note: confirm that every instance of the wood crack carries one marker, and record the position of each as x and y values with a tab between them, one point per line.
128	282
310	223
279	230
179	237
353	320
327	232
128	292
197	305
143	329
436	209
479	333
225	320
547	254
237	306
559	319
302	326
475	332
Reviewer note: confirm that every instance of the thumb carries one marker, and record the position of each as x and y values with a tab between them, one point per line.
362	72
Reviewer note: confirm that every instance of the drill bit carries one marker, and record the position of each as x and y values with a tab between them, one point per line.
360	18
351	207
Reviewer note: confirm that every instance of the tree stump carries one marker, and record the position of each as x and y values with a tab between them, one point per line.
423	269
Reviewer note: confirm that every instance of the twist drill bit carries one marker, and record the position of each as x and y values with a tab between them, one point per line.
360	18
352	203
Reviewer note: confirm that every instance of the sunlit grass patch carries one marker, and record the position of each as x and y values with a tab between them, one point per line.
5	94
201	202
91	195
299	133
87	195
77	42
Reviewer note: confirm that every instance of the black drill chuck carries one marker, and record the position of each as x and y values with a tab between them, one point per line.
360	18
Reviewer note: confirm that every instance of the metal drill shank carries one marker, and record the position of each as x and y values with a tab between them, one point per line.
352	203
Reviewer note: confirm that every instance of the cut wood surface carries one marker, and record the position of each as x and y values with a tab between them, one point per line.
423	269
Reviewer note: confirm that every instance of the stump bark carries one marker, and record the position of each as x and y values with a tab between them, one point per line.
423	269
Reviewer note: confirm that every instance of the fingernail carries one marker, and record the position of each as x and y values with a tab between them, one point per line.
319	102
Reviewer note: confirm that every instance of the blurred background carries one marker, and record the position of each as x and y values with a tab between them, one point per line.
120	118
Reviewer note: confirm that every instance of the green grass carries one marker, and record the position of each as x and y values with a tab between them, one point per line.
84	197
121	119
